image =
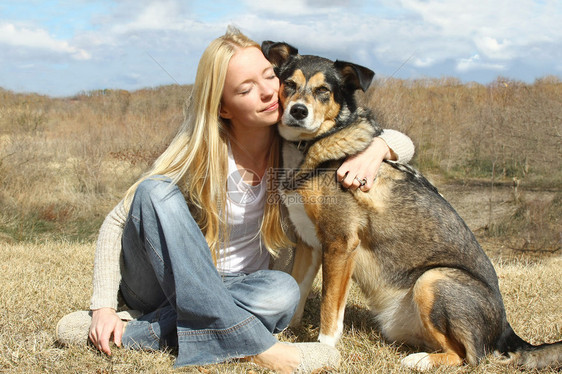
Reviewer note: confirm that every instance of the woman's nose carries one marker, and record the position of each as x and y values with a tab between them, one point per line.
268	89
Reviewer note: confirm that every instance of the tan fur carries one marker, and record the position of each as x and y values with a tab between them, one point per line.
340	145
424	297
307	262
314	82
325	112
299	79
337	268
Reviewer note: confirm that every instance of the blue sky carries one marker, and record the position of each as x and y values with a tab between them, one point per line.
60	48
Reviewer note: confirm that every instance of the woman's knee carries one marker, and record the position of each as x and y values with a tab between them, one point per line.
153	189
276	306
158	193
284	293
293	290
289	285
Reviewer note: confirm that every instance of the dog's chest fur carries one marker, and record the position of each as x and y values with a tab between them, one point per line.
294	202
335	146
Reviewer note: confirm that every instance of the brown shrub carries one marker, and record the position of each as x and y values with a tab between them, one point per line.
83	152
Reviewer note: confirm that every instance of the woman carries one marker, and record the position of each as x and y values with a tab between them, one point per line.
188	253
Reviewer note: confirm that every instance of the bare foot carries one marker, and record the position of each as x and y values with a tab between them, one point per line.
282	358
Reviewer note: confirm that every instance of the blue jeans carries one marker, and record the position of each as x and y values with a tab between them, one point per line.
168	274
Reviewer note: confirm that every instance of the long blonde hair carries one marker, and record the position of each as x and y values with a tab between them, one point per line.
196	159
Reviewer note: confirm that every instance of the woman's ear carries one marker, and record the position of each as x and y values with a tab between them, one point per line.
224	113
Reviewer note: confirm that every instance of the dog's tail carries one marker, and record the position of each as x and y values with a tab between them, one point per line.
520	353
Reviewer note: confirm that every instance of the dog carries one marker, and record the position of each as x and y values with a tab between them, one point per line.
425	277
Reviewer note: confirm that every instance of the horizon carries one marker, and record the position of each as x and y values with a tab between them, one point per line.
499	79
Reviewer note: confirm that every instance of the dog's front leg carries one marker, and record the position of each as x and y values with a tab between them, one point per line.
306	265
337	268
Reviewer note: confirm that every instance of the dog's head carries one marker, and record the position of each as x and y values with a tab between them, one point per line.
317	94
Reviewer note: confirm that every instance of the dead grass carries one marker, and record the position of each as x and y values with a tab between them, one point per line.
502	130
65	162
40	282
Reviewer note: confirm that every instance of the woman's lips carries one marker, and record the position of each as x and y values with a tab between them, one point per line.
274	106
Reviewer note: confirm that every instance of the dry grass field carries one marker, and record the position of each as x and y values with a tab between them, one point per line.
493	150
41	281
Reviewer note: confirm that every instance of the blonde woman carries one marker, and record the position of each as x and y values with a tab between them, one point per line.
191	245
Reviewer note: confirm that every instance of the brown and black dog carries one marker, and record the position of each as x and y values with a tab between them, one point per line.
425	277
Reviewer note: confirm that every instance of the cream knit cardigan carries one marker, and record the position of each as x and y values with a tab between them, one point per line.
107	260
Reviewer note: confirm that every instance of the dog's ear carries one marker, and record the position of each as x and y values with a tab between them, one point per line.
355	76
278	52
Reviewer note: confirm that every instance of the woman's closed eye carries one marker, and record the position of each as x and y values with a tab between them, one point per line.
244	90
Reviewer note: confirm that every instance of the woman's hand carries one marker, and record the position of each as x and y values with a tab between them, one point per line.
360	170
105	324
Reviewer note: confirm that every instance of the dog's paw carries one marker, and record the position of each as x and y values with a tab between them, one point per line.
418	361
329	340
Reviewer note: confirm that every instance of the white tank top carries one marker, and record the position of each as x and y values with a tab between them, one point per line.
243	252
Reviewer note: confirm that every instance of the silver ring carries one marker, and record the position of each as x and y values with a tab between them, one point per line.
362	182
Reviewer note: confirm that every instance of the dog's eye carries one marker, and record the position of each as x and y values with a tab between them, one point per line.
321	90
290	85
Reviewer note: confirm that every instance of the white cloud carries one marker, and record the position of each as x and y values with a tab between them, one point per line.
427	35
155	16
492	48
424	62
38	39
499	30
294	8
417	38
476	63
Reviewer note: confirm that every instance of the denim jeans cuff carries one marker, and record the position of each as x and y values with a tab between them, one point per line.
211	346
155	330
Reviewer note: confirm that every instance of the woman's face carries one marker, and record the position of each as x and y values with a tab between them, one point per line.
250	91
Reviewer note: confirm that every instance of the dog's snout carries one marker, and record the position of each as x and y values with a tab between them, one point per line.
299	111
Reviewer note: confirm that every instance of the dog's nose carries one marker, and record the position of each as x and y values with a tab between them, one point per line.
299	111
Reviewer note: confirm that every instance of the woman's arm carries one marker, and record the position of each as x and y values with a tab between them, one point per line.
107	276
400	145
390	145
